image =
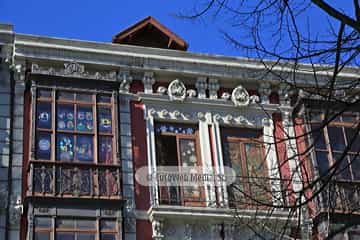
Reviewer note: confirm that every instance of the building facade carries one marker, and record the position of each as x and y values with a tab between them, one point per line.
80	119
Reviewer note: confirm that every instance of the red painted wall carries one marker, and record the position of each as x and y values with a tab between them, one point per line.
282	156
143	230
138	129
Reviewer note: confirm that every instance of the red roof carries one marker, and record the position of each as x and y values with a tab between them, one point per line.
150	33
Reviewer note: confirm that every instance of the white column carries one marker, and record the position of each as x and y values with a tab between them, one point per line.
148	81
271	159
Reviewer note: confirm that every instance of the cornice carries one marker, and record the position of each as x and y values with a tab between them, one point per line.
162	60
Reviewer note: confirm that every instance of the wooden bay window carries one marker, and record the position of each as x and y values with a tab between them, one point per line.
75	144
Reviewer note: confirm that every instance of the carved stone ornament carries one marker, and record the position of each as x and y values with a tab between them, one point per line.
157	229
177	90
240	97
73	69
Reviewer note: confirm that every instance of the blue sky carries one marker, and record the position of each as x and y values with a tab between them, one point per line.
100	20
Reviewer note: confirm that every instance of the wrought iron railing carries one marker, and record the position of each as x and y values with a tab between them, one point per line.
60	179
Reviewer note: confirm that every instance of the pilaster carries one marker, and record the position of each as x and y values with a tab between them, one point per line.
148	81
201	86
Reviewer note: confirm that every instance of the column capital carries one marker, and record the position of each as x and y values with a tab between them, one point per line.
148	81
201	86
125	80
265	91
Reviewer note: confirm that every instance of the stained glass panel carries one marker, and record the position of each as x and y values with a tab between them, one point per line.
104	120
84	148
65	147
84	119
43	115
174	129
189	159
65	117
43	149
105	150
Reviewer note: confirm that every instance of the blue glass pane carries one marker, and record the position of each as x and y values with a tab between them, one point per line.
43	146
65	236
42	93
83	97
65	147
84	119
84	148
43	115
104	99
105	120
42	236
108	236
65	117
105	150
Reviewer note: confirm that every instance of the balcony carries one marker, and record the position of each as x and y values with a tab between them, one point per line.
340	197
74	180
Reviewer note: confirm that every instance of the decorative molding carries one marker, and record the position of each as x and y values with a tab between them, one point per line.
214	87
157	229
188	231
284	93
201	86
240	97
125	80
74	70
161	90
264	91
191	93
148	81
177	90
226	96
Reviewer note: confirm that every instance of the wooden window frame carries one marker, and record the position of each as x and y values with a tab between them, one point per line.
179	137
97	231
242	141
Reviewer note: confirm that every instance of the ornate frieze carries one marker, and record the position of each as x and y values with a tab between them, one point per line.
74	70
240	97
177	90
148	81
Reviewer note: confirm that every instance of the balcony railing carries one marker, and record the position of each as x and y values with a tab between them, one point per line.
246	192
61	179
341	196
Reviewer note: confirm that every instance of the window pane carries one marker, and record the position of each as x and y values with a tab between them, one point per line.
318	136
336	138
105	150
65	96
85	224
355	164
343	170
84	120
174	129
65	117
43	146
65	223
43	115
65	236
105	120
108	236
323	162
85	236
255	161
84	148
350	135
42	236
107	224
83	97
43	222
104	98
41	93
65	147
